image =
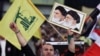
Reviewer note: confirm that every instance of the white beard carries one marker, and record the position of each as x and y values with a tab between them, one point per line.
57	20
68	24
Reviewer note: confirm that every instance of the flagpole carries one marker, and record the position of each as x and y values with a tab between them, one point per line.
56	31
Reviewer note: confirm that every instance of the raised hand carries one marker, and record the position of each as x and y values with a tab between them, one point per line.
14	27
70	32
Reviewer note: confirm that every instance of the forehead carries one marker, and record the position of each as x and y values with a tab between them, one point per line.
48	46
69	16
57	11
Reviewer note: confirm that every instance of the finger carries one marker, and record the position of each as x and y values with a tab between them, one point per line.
12	25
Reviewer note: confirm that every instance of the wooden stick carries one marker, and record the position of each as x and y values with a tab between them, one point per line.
56	30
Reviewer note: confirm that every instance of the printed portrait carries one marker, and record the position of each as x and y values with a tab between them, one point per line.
67	17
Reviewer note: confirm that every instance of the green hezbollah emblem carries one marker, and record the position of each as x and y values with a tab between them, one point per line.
26	18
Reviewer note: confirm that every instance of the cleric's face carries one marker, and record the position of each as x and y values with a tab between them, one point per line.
70	20
58	14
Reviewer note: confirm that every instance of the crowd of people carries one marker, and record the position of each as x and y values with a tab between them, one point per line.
53	33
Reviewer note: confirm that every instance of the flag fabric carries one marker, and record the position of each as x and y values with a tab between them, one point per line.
27	17
93	17
94	49
93	34
38	34
12	1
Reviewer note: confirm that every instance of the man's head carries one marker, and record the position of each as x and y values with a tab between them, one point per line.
72	17
47	50
2	38
60	12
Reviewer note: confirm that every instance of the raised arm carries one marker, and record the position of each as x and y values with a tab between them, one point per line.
20	37
71	45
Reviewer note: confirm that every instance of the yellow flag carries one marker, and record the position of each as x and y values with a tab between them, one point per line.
27	17
38	34
12	1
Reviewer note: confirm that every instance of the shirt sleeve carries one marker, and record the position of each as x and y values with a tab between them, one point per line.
27	51
68	53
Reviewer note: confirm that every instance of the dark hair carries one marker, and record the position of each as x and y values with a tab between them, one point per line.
74	15
47	44
62	10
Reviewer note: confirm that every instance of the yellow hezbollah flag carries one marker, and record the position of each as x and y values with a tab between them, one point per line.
12	1
38	34
27	17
